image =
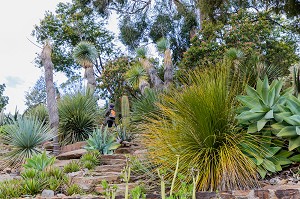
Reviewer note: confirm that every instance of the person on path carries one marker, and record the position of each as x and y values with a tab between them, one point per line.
110	115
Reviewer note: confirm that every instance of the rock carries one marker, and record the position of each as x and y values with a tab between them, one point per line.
76	154
274	181
289	193
88	183
123	150
7	170
73	147
111	168
120	190
77	174
47	193
61	195
48	145
61	163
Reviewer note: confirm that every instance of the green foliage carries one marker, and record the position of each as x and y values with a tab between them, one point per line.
137	193
39	162
261	104
72	166
85	53
123	134
289	122
3	99
206	107
25	136
78	114
262	38
109	190
11	189
39	111
136	75
91	159
102	140
162	45
37	94
73	189
141	52
33	186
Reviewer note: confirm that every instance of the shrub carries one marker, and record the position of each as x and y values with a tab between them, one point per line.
24	136
11	189
91	159
72	166
102	140
73	189
33	186
78	115
39	111
198	123
39	162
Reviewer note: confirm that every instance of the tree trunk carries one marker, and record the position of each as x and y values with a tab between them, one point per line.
155	80
143	84
51	100
168	70
90	76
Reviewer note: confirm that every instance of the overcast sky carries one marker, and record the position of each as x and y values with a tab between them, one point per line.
17	54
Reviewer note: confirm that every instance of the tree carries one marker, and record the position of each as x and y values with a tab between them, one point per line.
85	53
70	24
3	99
37	94
51	99
163	47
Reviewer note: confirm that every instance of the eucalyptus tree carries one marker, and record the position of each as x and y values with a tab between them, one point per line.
85	53
3	99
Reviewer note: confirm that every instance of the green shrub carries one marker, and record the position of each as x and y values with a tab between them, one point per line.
198	123
91	159
11	189
73	189
39	111
102	140
39	162
33	186
72	166
78	114
24	136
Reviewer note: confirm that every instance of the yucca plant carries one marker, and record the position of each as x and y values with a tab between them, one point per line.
25	136
39	162
39	111
137	77
78	114
199	125
72	166
102	140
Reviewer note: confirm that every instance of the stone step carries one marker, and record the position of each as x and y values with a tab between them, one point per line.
120	190
114	156
88	183
62	163
107	173
112	161
76	154
111	168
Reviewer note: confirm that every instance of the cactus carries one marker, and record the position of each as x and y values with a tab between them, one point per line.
126	176
125	111
175	174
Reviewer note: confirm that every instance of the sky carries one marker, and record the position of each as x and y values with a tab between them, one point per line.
17	53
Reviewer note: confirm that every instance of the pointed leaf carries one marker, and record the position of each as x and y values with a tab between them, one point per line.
296	118
294	143
262	172
248	101
271	151
259	86
268	165
252	92
278	87
248	116
265	90
261	123
284	153
295	158
252	128
288	131
271	97
269	115
278	126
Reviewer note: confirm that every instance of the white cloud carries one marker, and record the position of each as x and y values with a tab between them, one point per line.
17	53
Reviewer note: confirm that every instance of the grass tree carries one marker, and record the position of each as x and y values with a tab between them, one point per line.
85	53
51	99
137	78
163	46
149	68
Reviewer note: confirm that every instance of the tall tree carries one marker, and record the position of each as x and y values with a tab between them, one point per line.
163	47
3	99
85	53
51	99
37	94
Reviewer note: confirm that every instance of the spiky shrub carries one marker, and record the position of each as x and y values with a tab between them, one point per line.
39	162
72	166
25	136
78	114
11	189
39	111
199	124
73	189
91	159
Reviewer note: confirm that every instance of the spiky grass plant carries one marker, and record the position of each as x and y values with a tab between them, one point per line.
78	114
199	124
39	111
25	135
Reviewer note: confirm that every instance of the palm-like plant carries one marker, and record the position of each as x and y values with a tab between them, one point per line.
85	53
199	125
163	46
149	68
137	78
25	135
78	114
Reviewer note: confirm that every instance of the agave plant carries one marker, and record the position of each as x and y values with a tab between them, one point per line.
25	136
39	162
261	105
78	114
199	124
102	140
289	122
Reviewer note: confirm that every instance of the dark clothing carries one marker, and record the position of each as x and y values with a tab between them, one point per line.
109	120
